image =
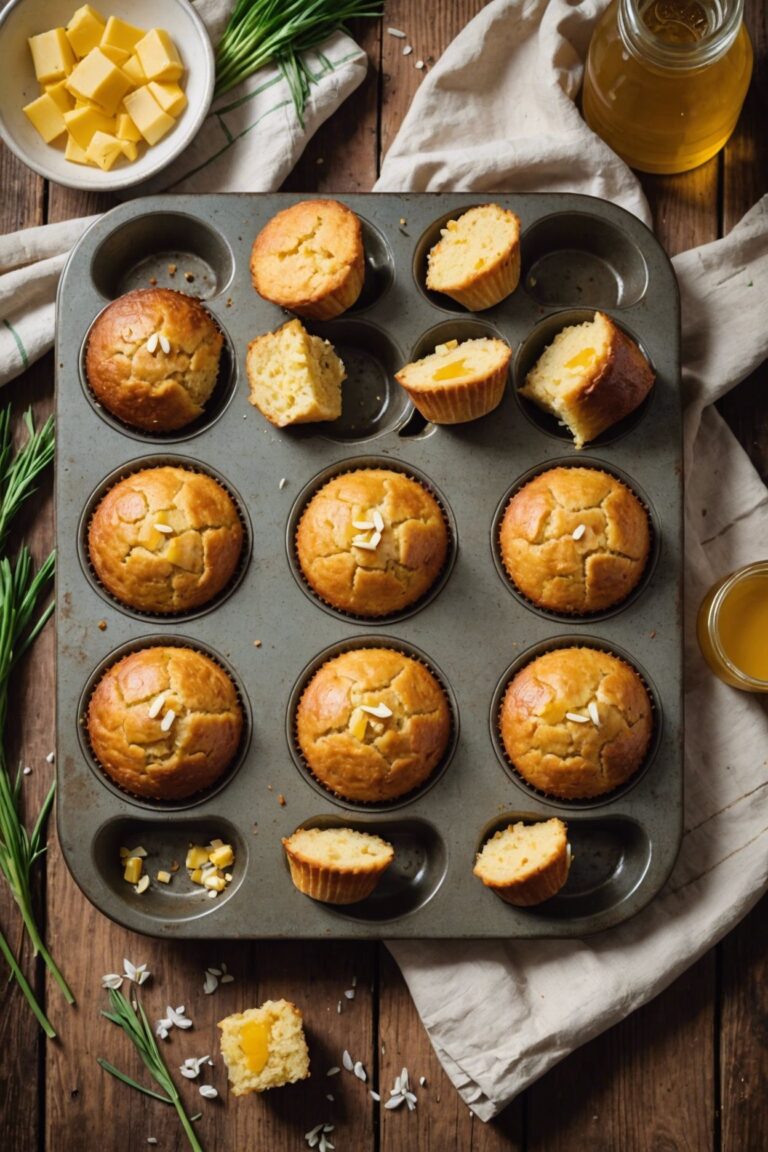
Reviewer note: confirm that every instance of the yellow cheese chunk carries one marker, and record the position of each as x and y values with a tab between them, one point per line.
59	94
52	55
126	129
147	115
129	148
74	152
196	856
84	30
82	123
169	96
79	103
132	870
46	116
117	55
451	371
134	70
222	857
118	34
104	149
97	78
158	56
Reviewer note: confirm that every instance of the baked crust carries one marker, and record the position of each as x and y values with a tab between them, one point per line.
132	747
171	571
563	757
309	258
393	757
541	877
407	559
156	391
563	574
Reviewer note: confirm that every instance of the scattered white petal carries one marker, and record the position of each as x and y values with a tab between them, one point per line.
177	1017
111	980
162	1028
396	32
328	1096
226	978
577	718
354	981
210	984
394	1102
190	1073
347	1061
208	1091
212	894
404	1081
578	532
375	1096
129	969
360	1072
165	344
282	483
423	1081
327	1127
350	993
27	771
407	50
338	1007
410	1100
397	1090
50	758
594	713
214	971
333	1071
312	1135
420	64
167	720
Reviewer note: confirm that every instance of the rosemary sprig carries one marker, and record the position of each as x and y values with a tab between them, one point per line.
131	1017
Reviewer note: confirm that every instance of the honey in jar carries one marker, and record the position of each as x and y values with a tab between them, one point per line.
665	80
732	628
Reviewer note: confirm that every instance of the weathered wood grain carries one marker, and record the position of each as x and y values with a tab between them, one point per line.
744	1034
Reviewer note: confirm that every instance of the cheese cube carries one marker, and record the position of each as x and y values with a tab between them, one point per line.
133	68
104	149
59	94
147	115
169	96
126	129
52	55
158	56
46	116
82	123
117	55
74	152
97	78
118	34
84	30
129	149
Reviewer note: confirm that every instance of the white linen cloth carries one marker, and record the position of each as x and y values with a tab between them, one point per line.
249	142
497	113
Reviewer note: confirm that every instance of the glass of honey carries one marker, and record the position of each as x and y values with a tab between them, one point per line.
665	80
732	628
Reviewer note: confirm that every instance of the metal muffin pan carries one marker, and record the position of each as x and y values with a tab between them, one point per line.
578	254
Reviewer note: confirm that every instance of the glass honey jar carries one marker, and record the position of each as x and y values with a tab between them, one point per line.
665	80
732	628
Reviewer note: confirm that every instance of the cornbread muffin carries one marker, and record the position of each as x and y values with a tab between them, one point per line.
526	863
294	378
575	540
336	865
152	359
165	539
264	1047
309	259
591	376
165	723
458	381
477	259
576	722
373	724
372	542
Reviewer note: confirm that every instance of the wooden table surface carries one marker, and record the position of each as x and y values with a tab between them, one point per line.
687	1072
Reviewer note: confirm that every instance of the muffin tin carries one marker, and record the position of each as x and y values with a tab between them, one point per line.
578	254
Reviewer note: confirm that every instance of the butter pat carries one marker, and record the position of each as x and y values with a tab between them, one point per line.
158	56
59	94
74	152
82	123
52	55
46	116
118	34
169	96
85	30
147	115
104	149
97	78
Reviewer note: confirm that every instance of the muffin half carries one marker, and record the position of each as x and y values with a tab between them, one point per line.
293	377
459	381
477	259
264	1047
336	865
525	864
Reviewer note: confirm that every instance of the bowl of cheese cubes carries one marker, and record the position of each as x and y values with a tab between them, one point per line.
102	96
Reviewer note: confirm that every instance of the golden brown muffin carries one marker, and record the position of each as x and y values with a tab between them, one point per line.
336	865
293	377
373	724
575	540
458	381
165	539
152	359
477	259
525	864
309	258
264	1047
591	376
165	723
576	722
372	542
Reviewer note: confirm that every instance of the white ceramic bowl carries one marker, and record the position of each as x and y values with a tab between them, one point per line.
18	86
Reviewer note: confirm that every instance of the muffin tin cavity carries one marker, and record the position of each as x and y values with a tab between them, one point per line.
215	406
413	877
300	686
129	469
528	353
575	258
580	461
165	843
425	243
610	857
166	250
463	329
379	267
352	465
575	640
152	641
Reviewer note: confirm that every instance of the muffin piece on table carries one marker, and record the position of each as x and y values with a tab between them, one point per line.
309	258
373	724
152	359
264	1047
336	865
525	864
477	259
576	722
165	540
165	722
294	378
575	540
459	381
372	542
590	377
